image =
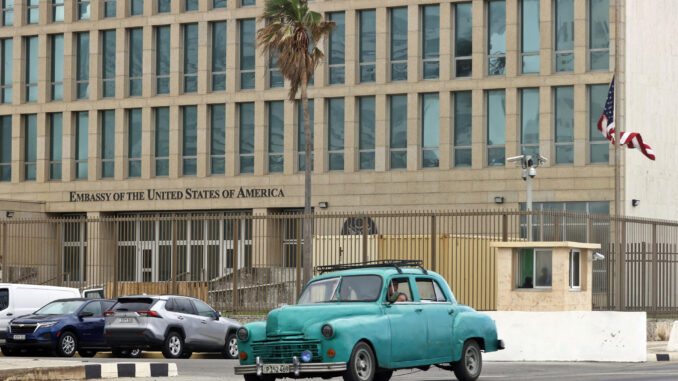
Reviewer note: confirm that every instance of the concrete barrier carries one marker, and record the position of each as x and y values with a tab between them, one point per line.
570	336
672	345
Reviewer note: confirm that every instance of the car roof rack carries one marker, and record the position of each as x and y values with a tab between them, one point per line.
395	263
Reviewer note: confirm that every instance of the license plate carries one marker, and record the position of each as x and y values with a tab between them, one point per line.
19	337
276	368
125	320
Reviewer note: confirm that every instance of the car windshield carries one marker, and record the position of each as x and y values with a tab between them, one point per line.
60	308
360	288
320	291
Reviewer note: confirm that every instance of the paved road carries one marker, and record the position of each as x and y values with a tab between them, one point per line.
222	370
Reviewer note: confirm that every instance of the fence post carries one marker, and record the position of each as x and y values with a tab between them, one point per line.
434	261
504	227
174	255
622	266
643	275
365	256
60	251
654	268
116	265
556	228
236	254
298	255
589	232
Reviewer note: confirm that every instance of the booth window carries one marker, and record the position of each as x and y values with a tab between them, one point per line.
533	268
575	269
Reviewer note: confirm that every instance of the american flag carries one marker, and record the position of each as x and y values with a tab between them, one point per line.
606	126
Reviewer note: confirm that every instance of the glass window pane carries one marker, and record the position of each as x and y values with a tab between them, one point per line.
81	143
162	35
219	4
162	141
137	7
367	52
462	118
109	8
366	132
246	142
164	6
564	114
276	132
497	37
398	121
543	268
431	31
247	53
530	26
336	48
430	120
529	116
82	65
564	25
189	138
463	32
398	34
191	5
496	127
336	133
218	129
134	135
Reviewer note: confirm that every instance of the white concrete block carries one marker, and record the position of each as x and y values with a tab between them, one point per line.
570	336
672	345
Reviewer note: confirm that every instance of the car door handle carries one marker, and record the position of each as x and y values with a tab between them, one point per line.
418	310
9	314
451	311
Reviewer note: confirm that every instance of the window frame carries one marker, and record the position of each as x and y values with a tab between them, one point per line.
220	156
241	54
365	65
104	142
394	62
528	146
275	153
6	80
497	56
423	129
361	119
557	52
53	162
455	40
557	144
30	9
132	46
56	84
338	67
424	59
466	148
522	51
574	266
56	4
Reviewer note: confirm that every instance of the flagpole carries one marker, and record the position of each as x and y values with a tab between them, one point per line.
617	155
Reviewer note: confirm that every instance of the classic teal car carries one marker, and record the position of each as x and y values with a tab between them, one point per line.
363	323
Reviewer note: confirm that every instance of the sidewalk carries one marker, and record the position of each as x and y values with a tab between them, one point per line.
656	351
26	368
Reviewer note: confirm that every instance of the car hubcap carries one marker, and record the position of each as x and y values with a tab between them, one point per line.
68	345
175	346
233	347
472	360
363	364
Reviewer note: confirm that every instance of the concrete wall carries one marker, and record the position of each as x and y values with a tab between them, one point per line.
570	336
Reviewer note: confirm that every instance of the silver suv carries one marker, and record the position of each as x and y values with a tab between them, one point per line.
176	325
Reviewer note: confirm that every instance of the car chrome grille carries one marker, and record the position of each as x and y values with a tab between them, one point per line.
282	351
23	328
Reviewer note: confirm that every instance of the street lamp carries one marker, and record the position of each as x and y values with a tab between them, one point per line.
529	165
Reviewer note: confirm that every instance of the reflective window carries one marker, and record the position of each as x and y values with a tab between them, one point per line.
534	268
368	41
430	130
7	12
57	67
189	140
246	146
162	59
108	64
161	141
82	66
55	145
496	127
564	141
496	64
275	79
57	10
217	139
599	34
190	58
599	147
529	121
30	146
136	61
430	41
247	53
247	3
575	269
463	39
6	148
33	11
335	118
134	142
7	52
301	137
164	6
399	44
31	68
136	7
81	143
218	4
191	5
109	8
219	56
529	36
336	48
276	133
564	30
108	144
83	9
398	131
463	127
366	132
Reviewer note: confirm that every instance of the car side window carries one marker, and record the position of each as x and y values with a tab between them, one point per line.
94	308
397	286
184	306
440	295
428	292
170	305
203	309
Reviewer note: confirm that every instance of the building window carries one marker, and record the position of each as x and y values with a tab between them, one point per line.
164	6
246	141
7	51
162	141
247	53
430	130
31	68
190	5
398	131
136	61
83	9
463	40
564	35
496	128
599	35
399	44
247	3
136	7
75	252
569	228
599	147
57	10
108	64
81	143
218	4
337	51
109	8
189	141
276	136
430	41
134	142
217	139
6	148
82	65
162	59
496	43
57	67
529	36
30	146
301	136
463	127
219	56
368	42
190	58
55	144
575	269
33	11
564	141
533	268
275	79
108	144
335	146
366	132
529	121
7	12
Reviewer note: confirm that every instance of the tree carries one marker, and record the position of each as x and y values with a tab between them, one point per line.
290	29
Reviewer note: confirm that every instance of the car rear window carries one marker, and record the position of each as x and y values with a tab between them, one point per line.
133	304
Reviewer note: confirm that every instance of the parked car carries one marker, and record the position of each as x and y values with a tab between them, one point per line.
175	325
63	326
362	322
22	299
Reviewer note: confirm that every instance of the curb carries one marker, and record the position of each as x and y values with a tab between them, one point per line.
90	372
654	357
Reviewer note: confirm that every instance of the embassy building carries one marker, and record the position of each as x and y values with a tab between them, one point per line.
126	107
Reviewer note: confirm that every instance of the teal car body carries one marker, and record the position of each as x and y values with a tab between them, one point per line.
429	328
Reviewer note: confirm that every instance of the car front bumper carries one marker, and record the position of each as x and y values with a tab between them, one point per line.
296	368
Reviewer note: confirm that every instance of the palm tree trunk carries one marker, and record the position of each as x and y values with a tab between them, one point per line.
308	252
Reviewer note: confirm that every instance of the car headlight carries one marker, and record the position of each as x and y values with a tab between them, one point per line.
327	331
243	334
47	324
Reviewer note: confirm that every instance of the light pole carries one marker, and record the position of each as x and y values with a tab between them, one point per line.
529	165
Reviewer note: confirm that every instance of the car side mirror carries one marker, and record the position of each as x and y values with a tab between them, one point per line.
85	314
217	315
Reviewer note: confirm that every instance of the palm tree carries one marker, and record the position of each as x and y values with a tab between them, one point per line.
290	32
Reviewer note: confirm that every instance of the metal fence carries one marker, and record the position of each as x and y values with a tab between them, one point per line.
253	263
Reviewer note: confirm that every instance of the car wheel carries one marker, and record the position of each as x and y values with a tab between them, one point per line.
174	346
186	355
471	363
7	352
67	344
362	364
86	353
231	348
383	375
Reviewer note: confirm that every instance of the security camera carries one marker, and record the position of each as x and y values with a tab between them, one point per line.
532	172
598	257
541	159
524	173
514	159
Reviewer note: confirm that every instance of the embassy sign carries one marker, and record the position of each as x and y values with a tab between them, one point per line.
174	195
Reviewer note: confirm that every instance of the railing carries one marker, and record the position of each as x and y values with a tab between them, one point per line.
254	262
